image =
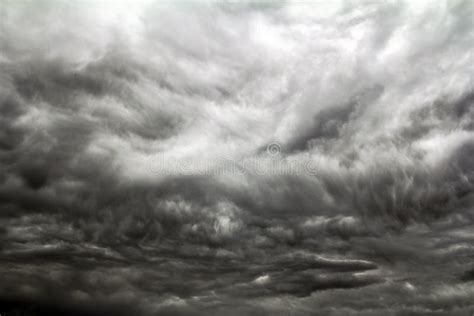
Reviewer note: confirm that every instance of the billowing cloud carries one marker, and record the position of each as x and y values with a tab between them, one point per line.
238	158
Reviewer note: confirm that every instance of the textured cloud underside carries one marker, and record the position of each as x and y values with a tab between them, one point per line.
145	151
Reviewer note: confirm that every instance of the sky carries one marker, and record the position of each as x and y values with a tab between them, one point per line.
236	157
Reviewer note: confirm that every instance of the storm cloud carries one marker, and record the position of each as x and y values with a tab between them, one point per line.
237	158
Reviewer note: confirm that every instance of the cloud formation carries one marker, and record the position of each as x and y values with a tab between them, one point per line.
238	158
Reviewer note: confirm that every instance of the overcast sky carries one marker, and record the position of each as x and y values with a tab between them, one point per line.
236	158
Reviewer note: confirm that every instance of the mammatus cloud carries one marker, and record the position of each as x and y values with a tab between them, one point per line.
236	158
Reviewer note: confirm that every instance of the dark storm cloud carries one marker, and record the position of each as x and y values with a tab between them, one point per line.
117	119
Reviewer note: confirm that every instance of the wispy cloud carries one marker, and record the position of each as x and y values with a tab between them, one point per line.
143	149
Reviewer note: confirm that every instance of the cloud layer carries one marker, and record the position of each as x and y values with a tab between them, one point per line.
239	158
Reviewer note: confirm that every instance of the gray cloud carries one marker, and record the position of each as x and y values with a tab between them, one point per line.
117	117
